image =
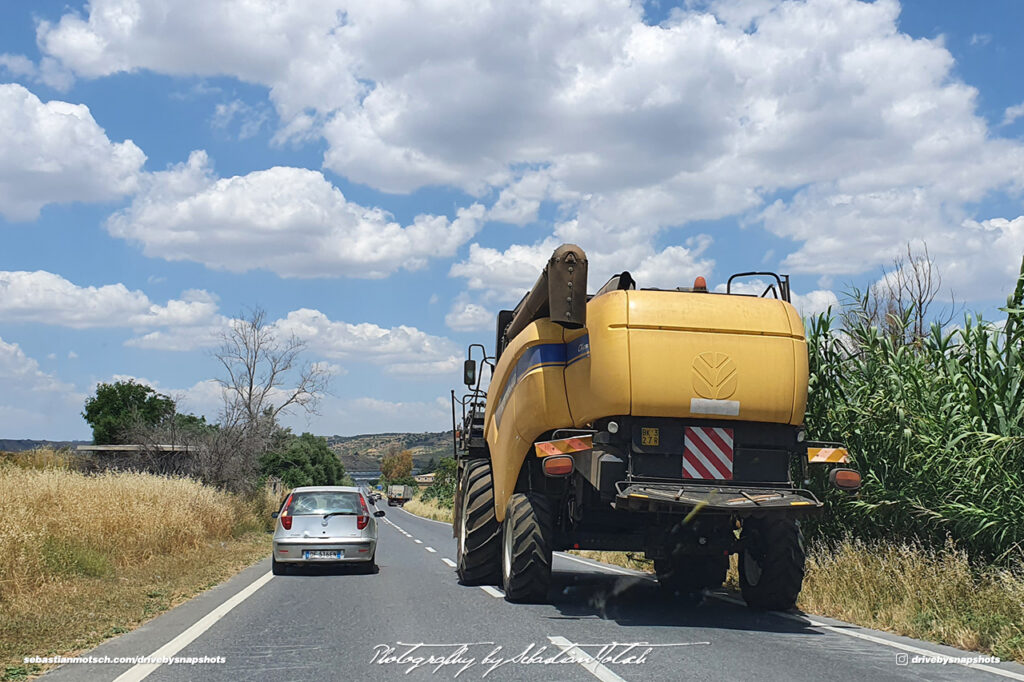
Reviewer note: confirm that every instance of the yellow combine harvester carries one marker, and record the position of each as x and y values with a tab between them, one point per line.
649	420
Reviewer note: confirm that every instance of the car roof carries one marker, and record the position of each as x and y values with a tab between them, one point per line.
327	489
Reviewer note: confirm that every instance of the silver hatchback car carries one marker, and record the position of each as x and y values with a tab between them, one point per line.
325	524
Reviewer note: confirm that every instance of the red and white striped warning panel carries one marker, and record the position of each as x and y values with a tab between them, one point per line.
707	453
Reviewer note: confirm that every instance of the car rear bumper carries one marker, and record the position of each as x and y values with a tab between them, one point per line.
355	549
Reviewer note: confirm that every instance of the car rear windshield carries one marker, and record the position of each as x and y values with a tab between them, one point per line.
324	503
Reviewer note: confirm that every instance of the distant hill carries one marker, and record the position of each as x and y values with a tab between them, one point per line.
20	445
364	452
357	453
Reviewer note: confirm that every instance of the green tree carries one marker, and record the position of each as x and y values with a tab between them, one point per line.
404	480
118	407
396	464
443	487
191	424
304	460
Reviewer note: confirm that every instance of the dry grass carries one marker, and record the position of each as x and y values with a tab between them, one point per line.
631	560
430	510
39	458
85	557
907	589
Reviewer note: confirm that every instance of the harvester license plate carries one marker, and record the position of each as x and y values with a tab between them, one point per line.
650	436
323	554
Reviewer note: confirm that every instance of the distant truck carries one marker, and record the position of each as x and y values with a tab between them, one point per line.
398	495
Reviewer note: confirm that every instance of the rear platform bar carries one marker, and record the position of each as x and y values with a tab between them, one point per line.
682	498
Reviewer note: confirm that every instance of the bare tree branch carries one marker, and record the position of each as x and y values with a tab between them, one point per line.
264	379
900	304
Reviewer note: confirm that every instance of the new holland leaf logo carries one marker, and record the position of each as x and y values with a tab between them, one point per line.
714	376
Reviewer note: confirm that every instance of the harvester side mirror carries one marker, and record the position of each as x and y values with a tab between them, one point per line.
469	372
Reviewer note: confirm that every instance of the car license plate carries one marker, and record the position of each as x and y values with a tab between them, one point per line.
323	554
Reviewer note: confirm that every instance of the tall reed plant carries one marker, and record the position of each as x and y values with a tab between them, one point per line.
935	425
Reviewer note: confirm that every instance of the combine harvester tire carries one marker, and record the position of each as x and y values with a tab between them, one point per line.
526	548
772	564
479	533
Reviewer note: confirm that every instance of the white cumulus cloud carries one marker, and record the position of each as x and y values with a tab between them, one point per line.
497	276
21	374
54	152
628	128
33	403
467	316
291	221
1013	113
47	298
401	350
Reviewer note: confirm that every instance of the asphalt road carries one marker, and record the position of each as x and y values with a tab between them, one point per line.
328	624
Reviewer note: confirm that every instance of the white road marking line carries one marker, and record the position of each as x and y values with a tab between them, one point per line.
493	591
592	666
871	638
424	518
449	562
808	620
430	549
142	670
417	541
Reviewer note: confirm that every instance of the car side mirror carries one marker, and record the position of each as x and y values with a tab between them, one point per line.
274	515
469	372
379	513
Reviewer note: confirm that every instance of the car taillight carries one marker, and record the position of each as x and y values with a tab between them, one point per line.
361	522
363	503
286	522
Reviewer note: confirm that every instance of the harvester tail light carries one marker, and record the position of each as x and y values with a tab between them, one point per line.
845	479
558	465
361	522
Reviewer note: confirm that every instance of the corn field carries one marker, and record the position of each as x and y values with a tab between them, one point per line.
934	424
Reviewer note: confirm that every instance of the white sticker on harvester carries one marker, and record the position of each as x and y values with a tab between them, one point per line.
729	408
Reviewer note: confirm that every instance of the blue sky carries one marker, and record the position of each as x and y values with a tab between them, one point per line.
382	177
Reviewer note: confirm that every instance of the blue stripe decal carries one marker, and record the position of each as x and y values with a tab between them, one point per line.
546	354
536	357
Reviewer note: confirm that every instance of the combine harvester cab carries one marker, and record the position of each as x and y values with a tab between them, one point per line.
661	421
